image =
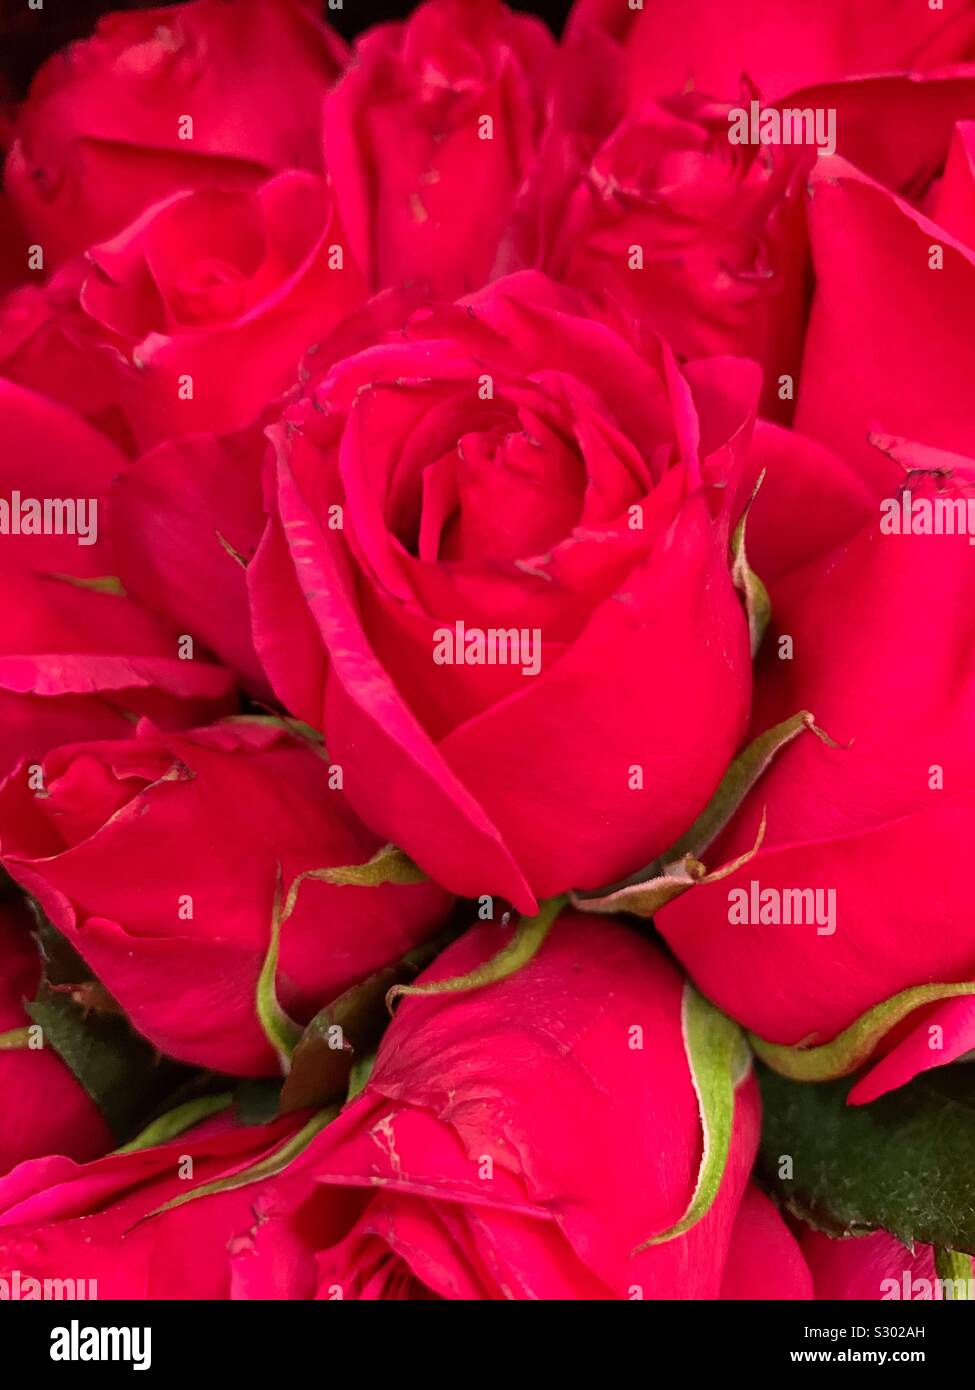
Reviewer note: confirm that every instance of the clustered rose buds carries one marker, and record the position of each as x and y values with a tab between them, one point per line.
487	662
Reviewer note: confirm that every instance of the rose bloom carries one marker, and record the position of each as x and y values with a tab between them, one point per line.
103	133
509	464
201	822
429	135
195	316
510	1144
45	1110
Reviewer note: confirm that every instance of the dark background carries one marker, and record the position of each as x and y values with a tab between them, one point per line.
28	36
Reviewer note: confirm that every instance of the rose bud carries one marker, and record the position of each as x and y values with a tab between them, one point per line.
44	1109
197	315
486	531
429	135
674	45
423	1188
878	1267
855	915
466	1143
158	101
201	822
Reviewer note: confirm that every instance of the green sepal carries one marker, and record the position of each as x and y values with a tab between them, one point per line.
177	1121
758	607
719	1059
855	1045
524	944
387	865
282	1032
681	869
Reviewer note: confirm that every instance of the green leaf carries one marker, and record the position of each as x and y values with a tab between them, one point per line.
902	1164
15	1040
126	1077
122	1073
680	869
525	943
851	1048
757	605
719	1059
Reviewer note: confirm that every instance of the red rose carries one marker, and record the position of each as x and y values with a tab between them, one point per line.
429	135
468	1143
196	316
201	822
508	467
104	134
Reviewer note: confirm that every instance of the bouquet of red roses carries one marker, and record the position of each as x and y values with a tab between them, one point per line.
487	653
